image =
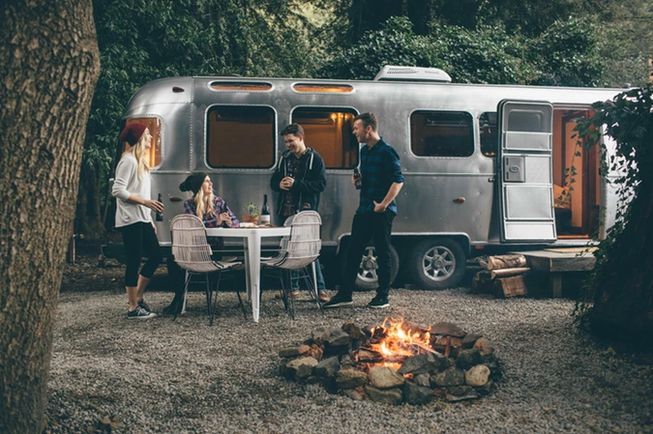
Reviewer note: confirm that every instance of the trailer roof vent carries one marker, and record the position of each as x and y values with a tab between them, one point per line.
412	73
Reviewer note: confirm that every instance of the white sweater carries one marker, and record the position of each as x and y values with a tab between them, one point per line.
125	184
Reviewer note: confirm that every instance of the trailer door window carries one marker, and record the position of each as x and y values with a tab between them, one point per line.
489	135
441	134
329	132
240	137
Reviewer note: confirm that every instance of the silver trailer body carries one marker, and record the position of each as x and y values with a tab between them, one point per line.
469	199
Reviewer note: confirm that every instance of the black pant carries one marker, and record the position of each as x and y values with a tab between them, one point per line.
140	240
365	227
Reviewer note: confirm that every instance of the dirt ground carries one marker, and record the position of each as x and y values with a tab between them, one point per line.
110	374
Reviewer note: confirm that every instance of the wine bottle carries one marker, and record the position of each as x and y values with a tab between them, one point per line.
264	218
357	178
159	215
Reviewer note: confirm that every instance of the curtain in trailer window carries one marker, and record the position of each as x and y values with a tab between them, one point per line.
240	137
329	132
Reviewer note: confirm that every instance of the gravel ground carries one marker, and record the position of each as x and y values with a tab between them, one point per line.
185	376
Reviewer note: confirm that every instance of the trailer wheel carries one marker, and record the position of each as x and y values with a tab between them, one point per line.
367	278
437	263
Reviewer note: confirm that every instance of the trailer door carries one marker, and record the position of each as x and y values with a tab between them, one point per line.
525	171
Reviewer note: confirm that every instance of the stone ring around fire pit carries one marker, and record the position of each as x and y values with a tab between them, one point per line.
395	362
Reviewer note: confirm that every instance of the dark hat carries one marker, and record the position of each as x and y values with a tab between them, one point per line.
193	182
132	132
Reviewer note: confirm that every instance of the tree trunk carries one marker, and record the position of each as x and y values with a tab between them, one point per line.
49	66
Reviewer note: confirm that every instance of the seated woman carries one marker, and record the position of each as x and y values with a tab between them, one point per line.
213	211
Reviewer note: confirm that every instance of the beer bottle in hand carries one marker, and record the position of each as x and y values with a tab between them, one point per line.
357	178
159	215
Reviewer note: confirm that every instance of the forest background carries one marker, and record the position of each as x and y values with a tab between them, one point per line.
536	42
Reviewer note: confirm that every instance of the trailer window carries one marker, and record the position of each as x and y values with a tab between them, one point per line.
329	132
240	137
154	125
441	134
489	135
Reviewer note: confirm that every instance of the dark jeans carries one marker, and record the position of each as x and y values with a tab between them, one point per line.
376	227
140	240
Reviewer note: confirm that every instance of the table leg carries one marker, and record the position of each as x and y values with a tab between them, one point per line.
556	285
317	295
248	283
254	272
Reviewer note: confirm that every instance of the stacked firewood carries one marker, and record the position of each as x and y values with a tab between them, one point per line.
502	275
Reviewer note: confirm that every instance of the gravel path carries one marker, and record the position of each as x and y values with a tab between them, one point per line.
184	376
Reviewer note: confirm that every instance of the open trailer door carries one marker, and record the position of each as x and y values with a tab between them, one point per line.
525	171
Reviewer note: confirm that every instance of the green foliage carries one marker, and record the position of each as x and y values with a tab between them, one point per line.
620	288
567	54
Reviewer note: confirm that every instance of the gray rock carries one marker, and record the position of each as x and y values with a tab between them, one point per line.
477	376
382	377
422	380
327	367
461	393
337	338
468	358
301	367
423	363
357	394
470	339
449	377
416	394
350	378
287	353
447	329
484	346
390	396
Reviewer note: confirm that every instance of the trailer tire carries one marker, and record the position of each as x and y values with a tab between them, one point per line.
437	263
367	278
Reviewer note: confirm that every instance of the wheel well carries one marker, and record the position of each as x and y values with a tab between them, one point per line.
403	243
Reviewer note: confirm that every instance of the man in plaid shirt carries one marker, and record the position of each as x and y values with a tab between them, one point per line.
381	181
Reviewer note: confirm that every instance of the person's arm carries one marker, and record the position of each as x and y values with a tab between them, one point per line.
277	176
224	208
393	166
125	170
315	179
392	193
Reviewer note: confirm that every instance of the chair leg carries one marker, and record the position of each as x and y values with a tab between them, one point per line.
290	301
183	303
240	302
208	296
311	286
215	297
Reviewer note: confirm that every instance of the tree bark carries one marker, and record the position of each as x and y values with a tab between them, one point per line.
49	66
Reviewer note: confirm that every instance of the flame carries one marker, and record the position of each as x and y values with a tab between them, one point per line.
396	339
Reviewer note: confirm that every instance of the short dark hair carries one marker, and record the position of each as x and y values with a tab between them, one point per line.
368	119
294	129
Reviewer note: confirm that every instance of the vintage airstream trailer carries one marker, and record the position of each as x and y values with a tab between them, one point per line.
485	165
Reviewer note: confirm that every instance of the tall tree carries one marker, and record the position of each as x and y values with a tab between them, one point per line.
50	63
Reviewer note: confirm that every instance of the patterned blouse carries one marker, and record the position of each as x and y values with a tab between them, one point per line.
211	220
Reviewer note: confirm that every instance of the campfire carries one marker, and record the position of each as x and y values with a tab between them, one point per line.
395	362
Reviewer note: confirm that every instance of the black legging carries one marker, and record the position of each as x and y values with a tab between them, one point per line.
140	240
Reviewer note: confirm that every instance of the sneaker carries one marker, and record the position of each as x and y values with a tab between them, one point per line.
379	302
172	309
323	296
338	300
140	313
144	305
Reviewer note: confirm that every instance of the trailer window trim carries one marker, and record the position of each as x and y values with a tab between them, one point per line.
333	108
470	130
323	88
240	86
274	144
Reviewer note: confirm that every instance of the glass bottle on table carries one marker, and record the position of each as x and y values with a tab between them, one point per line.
264	218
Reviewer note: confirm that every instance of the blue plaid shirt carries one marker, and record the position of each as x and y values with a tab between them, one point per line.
380	168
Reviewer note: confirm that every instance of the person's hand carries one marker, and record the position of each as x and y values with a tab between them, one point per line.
287	182
379	207
225	218
154	205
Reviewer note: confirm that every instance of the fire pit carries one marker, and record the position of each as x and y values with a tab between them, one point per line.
395	362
